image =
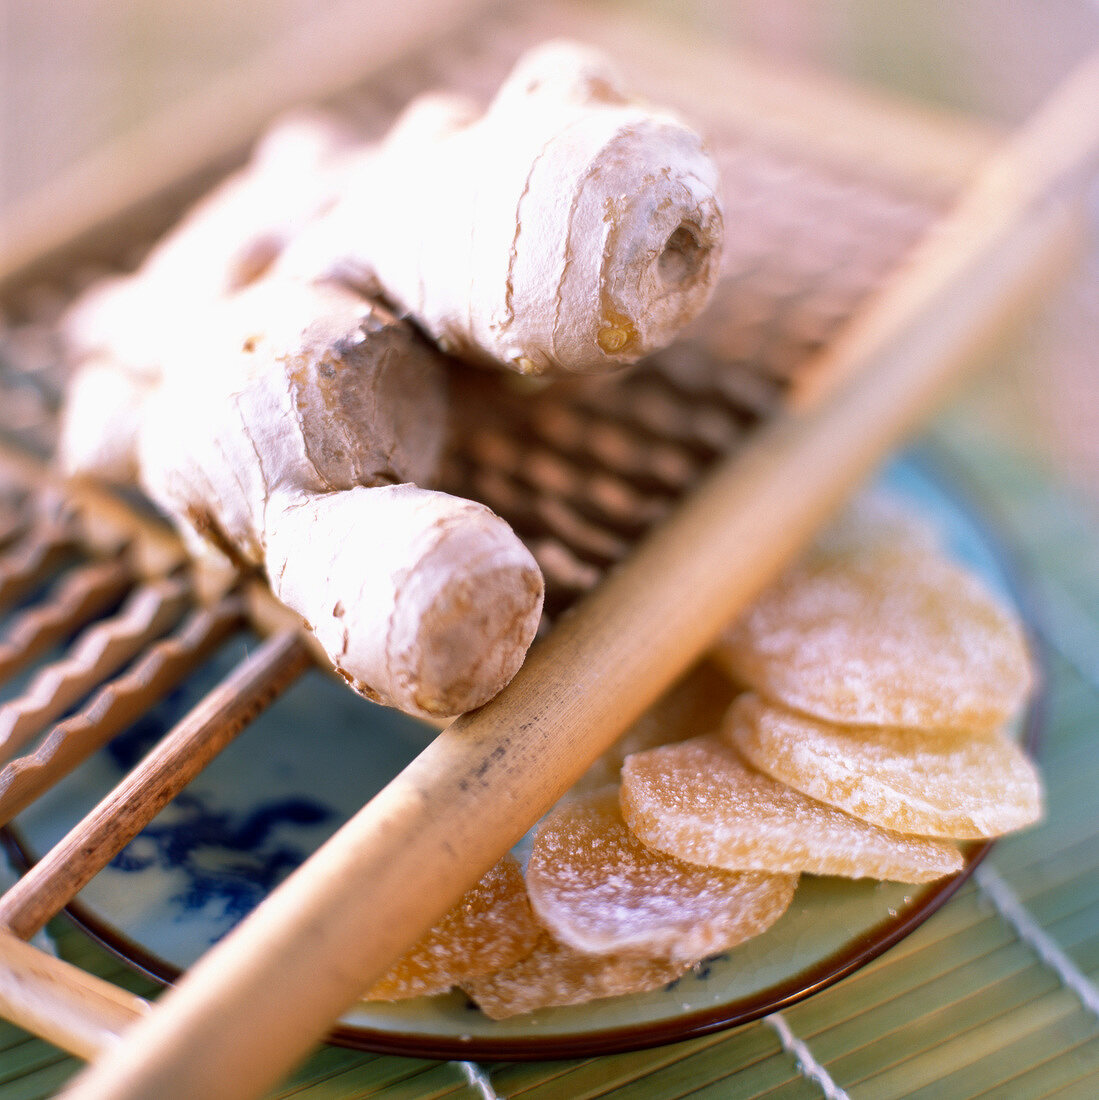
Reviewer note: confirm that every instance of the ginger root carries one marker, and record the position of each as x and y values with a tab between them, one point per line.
248	378
567	228
310	412
115	335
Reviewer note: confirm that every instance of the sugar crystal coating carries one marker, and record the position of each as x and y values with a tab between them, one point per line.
698	800
868	631
878	521
960	785
554	974
696	704
599	890
490	927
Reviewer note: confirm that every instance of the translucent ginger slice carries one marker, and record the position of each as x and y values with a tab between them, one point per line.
698	801
599	890
949	786
696	704
489	928
865	631
878	521
554	974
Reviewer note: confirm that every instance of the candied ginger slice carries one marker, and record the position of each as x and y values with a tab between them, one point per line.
880	521
697	800
865	634
599	890
490	927
696	704
959	786
554	974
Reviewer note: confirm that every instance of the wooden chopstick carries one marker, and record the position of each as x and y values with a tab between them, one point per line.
177	758
258	1001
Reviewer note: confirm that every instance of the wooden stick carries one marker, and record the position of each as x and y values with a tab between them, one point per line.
122	701
83	595
337	48
261	998
60	1002
54	881
95	656
1056	150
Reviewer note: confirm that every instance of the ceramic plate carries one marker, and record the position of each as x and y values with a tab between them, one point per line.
310	761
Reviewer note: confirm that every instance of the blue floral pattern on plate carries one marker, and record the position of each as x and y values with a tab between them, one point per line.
311	760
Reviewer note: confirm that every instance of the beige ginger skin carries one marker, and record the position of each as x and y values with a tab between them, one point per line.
318	413
116	333
283	419
567	228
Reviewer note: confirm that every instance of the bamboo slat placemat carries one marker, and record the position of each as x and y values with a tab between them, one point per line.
996	994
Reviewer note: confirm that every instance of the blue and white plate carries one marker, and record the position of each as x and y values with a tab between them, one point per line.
320	752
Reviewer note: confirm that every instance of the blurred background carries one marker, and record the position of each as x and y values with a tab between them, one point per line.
76	73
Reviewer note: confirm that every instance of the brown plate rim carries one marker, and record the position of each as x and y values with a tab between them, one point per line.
857	953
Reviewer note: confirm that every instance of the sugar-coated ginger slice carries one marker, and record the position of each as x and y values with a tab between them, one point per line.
695	705
491	927
959	786
698	801
600	891
554	974
869	631
878	521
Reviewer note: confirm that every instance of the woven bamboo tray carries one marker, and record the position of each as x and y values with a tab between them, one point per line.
874	251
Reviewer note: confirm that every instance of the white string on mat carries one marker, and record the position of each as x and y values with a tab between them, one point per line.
807	1065
479	1080
1006	902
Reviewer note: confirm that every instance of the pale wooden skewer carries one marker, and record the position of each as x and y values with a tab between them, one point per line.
258	1001
1057	144
339	47
70	1008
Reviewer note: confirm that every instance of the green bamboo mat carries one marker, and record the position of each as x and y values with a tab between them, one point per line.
995	995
